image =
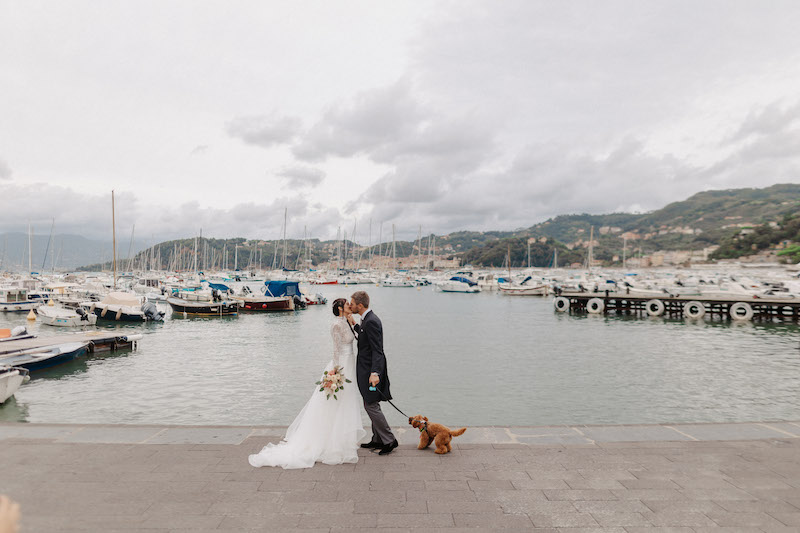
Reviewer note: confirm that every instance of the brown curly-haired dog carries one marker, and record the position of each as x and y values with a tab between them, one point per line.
437	433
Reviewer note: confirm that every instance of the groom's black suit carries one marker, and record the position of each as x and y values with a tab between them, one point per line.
371	359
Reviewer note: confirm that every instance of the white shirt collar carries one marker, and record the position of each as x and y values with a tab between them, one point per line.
365	314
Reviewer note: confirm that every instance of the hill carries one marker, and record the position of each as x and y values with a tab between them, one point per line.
705	221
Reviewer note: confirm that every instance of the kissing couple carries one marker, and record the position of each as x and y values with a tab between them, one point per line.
329	430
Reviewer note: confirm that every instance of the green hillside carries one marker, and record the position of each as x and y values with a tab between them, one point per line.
709	218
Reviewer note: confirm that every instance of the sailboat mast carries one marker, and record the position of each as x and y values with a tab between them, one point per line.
114	238
394	249
30	254
624	252
49	240
285	220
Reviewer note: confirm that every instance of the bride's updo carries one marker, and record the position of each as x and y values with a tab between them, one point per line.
338	306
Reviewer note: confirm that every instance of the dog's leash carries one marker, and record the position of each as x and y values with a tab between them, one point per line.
373	389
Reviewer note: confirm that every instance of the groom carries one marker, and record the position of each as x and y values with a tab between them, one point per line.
371	372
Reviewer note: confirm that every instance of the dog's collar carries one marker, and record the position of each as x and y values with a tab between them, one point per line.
423	428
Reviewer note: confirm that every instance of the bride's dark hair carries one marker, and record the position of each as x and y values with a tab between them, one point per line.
338	305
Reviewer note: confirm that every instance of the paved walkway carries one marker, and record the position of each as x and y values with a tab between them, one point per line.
683	478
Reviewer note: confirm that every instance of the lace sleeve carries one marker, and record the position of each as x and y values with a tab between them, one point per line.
339	332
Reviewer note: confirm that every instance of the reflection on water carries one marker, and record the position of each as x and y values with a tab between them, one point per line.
468	359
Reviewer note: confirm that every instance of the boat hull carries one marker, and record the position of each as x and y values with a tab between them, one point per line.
203	309
524	291
19	307
266	305
39	359
10	381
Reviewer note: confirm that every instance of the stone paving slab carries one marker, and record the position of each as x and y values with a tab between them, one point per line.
195	479
541	435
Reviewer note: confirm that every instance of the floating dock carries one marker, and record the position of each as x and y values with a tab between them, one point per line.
99	341
677	306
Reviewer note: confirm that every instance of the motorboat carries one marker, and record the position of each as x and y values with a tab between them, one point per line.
46	356
457	284
54	315
11	379
15	299
205	303
398	282
524	289
263	300
123	307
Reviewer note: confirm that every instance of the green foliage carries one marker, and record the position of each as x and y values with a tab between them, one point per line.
495	253
734	244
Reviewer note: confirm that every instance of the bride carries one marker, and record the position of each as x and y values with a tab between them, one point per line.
326	430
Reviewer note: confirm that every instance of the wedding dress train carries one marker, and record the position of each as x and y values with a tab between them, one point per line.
326	430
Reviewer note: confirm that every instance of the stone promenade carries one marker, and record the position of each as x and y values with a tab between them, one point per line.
734	478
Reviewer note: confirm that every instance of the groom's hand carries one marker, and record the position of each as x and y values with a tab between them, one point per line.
374	380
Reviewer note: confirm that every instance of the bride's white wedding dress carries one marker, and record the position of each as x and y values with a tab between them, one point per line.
326	430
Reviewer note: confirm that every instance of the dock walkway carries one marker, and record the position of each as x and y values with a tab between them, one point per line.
682	478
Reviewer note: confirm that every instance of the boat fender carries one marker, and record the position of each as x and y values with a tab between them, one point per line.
103	313
119	315
694	309
595	306
654	307
91	309
561	304
741	311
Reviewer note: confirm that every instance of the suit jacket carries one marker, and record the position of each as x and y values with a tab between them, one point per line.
371	358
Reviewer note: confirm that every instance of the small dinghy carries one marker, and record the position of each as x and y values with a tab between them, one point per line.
11	378
53	315
45	357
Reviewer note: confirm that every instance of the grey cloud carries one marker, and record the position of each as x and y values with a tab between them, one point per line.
264	130
298	177
200	149
77	213
767	120
368	124
5	170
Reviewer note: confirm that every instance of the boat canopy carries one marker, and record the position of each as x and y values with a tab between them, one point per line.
463	280
218	286
121	298
283	288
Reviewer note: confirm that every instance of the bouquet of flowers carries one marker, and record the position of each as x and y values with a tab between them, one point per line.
332	382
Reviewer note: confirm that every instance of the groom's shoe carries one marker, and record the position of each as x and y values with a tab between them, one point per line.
388	448
372	445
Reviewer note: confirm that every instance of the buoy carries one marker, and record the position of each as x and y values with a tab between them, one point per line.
595	306
31	315
741	311
50	303
654	307
694	309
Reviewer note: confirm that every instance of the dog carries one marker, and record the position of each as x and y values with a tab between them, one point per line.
437	433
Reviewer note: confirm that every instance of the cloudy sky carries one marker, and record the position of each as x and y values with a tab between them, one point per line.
450	115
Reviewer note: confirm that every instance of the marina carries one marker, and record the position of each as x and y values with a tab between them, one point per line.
574	367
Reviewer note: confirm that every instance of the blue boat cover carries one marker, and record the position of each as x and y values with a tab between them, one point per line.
526	280
283	288
218	286
503	280
463	280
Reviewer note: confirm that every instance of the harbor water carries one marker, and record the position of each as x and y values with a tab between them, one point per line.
464	359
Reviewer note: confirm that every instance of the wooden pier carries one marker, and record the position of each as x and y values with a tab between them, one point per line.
680	306
99	341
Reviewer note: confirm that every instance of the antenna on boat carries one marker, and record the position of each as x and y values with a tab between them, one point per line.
114	239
